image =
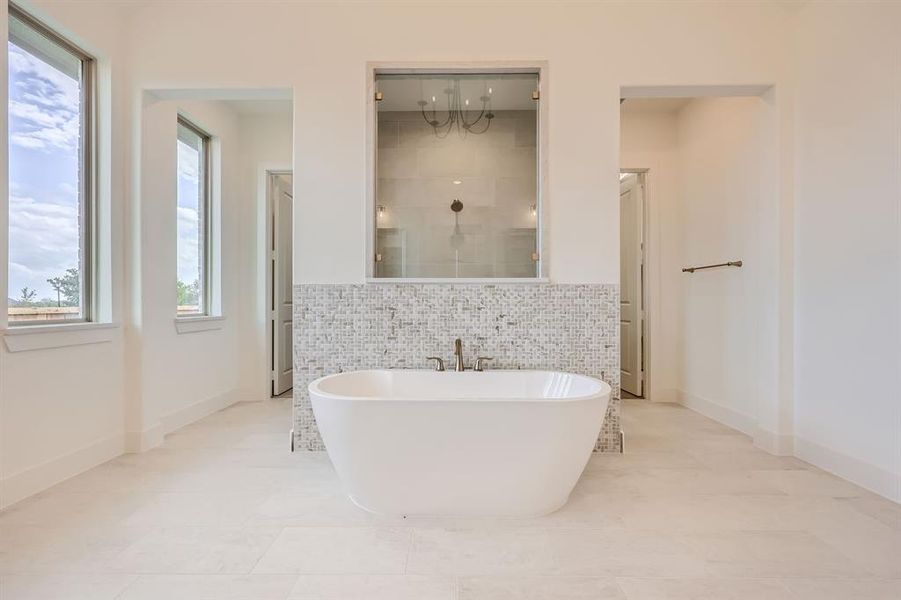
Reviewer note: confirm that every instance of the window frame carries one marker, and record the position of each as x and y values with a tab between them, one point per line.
87	190
206	218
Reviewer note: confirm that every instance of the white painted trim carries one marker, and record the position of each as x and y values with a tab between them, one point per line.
198	410
779	444
692	91
464	280
35	479
141	441
59	335
665	395
877	480
195	324
727	416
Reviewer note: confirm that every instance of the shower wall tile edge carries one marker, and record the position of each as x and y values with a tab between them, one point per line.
347	327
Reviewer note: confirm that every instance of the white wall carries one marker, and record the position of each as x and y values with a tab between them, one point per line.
583	44
848	284
266	144
186	375
845	54
721	142
710	187
62	409
709	175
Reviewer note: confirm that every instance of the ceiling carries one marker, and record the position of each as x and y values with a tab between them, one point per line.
261	107
507	92
645	106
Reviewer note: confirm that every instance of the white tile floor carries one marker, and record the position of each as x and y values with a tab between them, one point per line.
223	511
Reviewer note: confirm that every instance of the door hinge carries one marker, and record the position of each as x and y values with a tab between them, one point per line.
536	95
379	97
535	257
378	257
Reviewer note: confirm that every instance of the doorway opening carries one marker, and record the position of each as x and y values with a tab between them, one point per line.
632	194
280	208
700	251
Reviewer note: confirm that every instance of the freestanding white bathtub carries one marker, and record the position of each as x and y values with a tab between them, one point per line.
492	443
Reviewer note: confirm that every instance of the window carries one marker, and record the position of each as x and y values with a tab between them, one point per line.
456	175
51	177
193	217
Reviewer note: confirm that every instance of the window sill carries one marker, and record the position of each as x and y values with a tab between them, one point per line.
460	280
196	324
23	338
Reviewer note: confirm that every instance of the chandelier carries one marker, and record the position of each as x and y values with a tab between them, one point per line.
458	113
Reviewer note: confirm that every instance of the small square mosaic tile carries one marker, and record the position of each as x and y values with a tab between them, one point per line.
348	327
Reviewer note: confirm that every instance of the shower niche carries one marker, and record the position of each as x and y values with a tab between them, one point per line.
457	178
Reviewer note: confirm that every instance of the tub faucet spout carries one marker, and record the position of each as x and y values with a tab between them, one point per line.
458	355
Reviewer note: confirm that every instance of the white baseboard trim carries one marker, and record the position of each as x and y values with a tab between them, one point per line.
877	480
779	444
666	395
194	412
47	474
36	479
142	441
732	418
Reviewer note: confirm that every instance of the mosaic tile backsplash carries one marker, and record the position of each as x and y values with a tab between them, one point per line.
347	327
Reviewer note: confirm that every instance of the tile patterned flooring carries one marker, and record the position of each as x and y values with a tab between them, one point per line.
223	511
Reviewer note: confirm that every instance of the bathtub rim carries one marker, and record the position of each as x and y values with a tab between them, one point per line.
605	388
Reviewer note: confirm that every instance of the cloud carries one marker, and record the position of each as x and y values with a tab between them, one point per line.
188	163
43	242
44	104
188	215
188	230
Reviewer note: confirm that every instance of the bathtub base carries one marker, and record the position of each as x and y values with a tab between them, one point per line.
451	514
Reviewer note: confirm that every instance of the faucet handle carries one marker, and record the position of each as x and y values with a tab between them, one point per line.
439	362
479	361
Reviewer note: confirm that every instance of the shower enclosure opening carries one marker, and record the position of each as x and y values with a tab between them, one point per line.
468	141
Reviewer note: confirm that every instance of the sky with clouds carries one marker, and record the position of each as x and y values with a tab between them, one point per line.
44	125
188	215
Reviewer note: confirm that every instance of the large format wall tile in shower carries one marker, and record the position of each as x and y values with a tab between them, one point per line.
572	328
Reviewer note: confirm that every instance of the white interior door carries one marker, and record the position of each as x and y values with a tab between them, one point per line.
631	201
282	318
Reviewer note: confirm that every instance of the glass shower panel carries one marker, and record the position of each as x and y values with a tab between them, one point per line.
457	176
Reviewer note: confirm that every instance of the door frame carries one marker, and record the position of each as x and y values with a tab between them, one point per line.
647	269
267	257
